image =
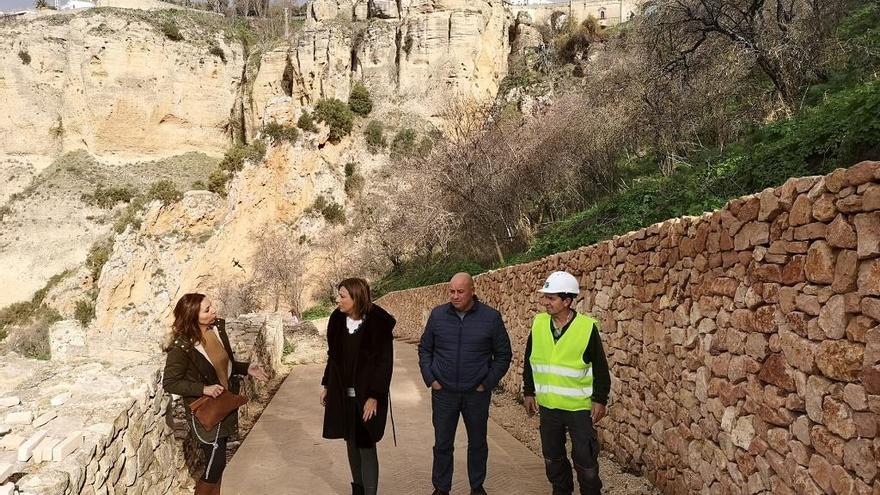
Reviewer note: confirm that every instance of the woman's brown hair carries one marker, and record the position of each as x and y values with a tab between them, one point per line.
186	318
359	290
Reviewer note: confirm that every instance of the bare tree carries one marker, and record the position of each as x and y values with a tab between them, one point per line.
279	268
238	297
784	38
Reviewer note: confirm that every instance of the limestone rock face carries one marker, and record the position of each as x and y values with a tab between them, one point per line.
113	84
414	53
204	242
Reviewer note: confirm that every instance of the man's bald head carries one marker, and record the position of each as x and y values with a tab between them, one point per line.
461	291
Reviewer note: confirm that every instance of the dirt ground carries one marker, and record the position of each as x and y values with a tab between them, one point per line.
511	415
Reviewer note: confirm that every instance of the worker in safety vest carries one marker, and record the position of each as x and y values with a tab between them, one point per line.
566	379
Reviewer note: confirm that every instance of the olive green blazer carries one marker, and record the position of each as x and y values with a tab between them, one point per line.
187	372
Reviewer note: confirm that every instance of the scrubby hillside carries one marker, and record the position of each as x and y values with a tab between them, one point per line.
598	132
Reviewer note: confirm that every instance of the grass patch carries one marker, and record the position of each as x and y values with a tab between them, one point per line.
317	312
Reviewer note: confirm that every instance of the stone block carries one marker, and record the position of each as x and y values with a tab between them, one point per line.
67	446
44	418
9	401
60	399
869	278
819	266
19	418
841	234
7	489
840	359
11	442
43	451
6	469
26	449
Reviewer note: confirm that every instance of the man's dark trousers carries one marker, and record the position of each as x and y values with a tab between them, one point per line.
474	409
584	451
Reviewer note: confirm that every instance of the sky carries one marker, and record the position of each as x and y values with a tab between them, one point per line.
16	5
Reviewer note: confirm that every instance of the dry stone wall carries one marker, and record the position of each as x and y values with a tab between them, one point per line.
92	426
744	343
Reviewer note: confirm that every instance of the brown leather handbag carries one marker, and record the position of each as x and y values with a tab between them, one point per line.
210	411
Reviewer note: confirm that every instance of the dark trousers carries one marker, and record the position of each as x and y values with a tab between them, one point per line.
584	451
215	459
474	409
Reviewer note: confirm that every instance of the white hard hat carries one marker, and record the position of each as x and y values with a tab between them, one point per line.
561	283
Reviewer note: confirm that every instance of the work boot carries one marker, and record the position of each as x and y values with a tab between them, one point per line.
438	491
357	489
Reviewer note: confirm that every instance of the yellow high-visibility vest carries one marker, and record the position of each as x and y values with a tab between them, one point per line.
562	379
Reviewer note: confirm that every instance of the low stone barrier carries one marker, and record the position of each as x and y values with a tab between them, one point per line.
91	426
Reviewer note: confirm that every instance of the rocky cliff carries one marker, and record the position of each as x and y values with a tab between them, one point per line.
413	55
111	82
205	242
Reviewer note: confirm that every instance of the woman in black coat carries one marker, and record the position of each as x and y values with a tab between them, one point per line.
360	358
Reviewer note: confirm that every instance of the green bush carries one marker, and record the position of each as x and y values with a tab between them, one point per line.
306	122
278	132
234	159
165	191
131	216
84	311
25	57
109	197
98	256
404	142
359	100
31	341
40	295
337	116
16	314
316	312
334	214
171	30
289	347
217	182
330	210
375	136
354	182
199	185
217	52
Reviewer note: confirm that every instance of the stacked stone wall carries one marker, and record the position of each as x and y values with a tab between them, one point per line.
127	435
744	343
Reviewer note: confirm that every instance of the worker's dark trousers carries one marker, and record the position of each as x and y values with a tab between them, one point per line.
584	451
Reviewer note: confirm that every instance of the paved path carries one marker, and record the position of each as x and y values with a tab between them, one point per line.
285	454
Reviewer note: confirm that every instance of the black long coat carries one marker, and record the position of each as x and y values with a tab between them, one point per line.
187	372
373	367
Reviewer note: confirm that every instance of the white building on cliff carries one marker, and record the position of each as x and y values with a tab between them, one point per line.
607	12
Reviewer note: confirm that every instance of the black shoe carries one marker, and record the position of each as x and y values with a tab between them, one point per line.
478	491
357	489
438	491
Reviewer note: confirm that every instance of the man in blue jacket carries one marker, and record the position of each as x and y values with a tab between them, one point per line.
463	354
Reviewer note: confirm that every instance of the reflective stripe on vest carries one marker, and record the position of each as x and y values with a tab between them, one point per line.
562	379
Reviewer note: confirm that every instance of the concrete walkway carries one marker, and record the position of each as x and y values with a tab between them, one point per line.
285	454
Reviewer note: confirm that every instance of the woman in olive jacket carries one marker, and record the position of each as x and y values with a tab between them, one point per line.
200	362
357	379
